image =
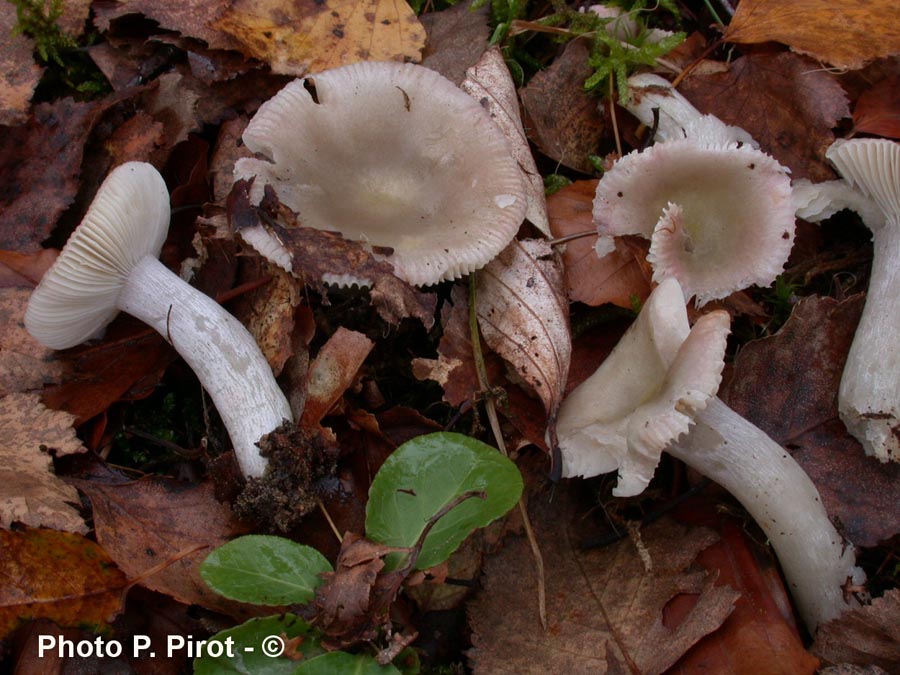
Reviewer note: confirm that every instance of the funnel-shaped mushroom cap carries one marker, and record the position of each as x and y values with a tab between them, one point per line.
394	155
719	216
872	165
645	394
127	220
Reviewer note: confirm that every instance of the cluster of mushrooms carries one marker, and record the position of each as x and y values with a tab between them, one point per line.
439	189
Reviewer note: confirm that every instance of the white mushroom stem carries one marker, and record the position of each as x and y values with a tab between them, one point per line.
220	351
765	479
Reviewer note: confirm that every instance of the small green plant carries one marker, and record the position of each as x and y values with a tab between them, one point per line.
429	495
68	66
555	182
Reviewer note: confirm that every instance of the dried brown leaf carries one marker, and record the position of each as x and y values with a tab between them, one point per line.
58	576
270	316
490	83
619	277
308	36
787	385
877	109
844	33
867	636
457	37
786	102
604	606
20	74
523	314
561	118
30	493
332	372
25	364
162	525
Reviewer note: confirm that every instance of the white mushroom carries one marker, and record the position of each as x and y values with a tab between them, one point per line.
394	155
717	211
659	381
869	396
110	264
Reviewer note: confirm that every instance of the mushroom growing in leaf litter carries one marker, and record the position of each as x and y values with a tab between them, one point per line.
655	392
110	264
869	395
393	155
717	211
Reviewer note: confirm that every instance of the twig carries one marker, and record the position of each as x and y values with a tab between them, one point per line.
491	410
337	532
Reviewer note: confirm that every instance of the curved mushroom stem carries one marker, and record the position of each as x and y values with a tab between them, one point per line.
765	479
869	397
222	353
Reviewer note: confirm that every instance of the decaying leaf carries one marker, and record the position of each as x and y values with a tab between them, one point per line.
457	37
168	528
58	576
270	318
844	34
621	277
867	636
25	364
604	606
523	314
561	118
787	385
317	256
877	109
490	83
332	372
308	36
30	493
19	74
786	102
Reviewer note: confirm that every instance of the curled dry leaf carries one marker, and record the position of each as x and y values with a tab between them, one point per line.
30	493
308	36
845	34
864	636
523	314
333	371
621	277
490	83
457	37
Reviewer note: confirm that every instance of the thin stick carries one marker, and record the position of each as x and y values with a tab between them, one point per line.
337	533
491	411
612	114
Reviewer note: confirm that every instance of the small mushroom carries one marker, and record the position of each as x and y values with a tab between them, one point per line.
110	264
394	155
655	392
717	211
869	395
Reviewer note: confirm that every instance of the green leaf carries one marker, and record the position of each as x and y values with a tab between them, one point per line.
243	647
265	570
342	663
426	474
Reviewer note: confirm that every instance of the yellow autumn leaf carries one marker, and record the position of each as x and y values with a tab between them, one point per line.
846	34
308	36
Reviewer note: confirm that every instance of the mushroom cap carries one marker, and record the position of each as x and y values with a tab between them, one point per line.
872	165
394	155
645	394
719	216
128	219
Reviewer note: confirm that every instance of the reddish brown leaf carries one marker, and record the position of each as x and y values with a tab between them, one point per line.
877	110
167	528
59	576
561	118
868	636
787	385
760	636
333	371
787	103
845	34
620	278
